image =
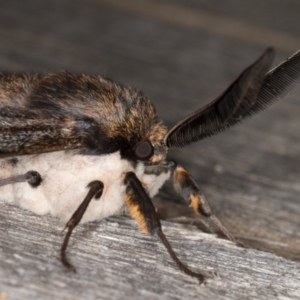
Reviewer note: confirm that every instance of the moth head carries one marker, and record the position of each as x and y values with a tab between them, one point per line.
150	151
152	148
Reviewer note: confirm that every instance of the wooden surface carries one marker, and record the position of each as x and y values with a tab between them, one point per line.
182	54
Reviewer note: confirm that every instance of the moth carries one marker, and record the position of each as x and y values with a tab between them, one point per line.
82	148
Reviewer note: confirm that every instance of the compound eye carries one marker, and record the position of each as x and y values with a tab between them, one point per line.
143	150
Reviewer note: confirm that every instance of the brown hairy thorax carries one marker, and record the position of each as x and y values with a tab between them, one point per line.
94	109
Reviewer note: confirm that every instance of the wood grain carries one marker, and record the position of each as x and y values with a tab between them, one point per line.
182	54
114	260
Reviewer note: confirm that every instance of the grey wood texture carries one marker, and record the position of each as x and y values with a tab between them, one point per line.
182	54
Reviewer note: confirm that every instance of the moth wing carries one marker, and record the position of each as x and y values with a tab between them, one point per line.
44	113
251	92
21	133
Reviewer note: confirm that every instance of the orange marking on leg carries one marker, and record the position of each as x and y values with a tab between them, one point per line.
137	215
195	203
180	172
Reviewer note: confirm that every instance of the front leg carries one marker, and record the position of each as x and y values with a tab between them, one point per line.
32	177
96	188
143	211
186	186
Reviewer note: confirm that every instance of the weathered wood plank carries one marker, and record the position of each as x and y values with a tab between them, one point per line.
115	260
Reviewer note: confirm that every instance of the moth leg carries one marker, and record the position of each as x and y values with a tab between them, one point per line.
96	188
143	211
32	177
185	185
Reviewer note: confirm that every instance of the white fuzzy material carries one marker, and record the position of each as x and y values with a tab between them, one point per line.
65	178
